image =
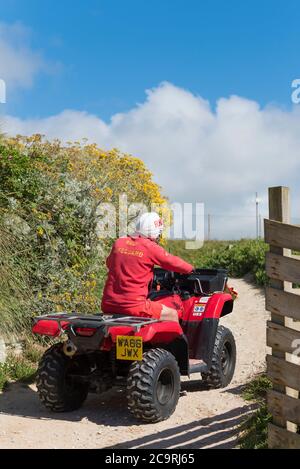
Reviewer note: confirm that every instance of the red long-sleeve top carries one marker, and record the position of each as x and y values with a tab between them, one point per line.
130	270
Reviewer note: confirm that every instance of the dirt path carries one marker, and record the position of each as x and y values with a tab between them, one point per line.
203	419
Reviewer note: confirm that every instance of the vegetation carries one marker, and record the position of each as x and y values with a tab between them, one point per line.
16	298
52	254
17	368
253	431
256	389
239	257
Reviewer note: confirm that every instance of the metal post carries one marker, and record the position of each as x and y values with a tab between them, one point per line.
256	205
208	227
260	226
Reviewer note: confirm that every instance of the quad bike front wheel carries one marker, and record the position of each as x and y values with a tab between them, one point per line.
223	360
56	390
153	386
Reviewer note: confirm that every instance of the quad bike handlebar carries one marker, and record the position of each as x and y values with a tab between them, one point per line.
200	281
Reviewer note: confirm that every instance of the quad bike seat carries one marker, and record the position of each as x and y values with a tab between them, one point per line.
154	294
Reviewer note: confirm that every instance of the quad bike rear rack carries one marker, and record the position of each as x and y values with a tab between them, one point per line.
103	320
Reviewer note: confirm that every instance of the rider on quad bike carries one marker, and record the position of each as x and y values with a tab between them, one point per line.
155	326
131	263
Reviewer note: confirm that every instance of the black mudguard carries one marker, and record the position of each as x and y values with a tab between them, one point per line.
201	336
179	348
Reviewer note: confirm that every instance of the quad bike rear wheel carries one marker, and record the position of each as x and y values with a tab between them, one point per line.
153	386
223	360
56	389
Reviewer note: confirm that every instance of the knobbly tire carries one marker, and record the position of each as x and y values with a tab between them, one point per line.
223	360
55	390
153	386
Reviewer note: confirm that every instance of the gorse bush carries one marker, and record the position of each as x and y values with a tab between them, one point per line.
52	257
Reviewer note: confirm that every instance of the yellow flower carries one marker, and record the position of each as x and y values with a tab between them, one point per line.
67	296
40	231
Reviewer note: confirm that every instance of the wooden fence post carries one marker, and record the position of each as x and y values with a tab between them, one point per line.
279	210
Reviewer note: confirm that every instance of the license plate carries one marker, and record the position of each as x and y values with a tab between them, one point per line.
129	347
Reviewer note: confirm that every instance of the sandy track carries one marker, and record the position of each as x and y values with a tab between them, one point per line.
203	419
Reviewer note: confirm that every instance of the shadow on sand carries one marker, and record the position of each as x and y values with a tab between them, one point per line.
110	409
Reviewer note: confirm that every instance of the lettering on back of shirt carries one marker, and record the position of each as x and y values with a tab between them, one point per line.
130	243
130	252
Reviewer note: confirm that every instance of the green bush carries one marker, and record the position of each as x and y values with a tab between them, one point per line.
257	388
239	257
32	350
3	378
16	368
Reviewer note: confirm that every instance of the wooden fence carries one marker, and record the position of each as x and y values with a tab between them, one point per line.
283	331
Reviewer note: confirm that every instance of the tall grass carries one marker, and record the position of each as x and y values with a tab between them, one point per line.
15	294
253	431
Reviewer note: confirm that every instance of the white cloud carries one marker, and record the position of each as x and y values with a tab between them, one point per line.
19	63
219	157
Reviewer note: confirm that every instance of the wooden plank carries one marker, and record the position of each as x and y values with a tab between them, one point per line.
282	338
280	438
282	268
283	373
283	303
286	375
282	234
283	406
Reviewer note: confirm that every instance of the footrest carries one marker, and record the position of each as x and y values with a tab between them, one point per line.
197	366
195	361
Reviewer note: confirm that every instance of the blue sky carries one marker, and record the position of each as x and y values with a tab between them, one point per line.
104	54
200	90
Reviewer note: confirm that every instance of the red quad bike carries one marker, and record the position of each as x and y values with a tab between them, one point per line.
148	356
